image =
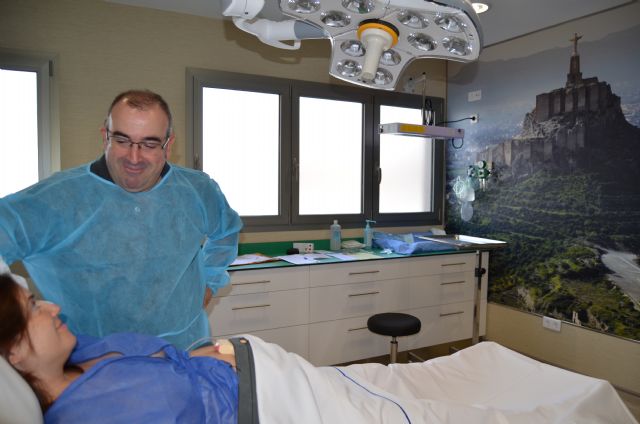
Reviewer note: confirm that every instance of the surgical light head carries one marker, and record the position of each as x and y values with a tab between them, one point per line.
372	40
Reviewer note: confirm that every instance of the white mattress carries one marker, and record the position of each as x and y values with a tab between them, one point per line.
486	383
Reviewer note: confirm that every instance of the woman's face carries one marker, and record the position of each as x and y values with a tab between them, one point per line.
48	342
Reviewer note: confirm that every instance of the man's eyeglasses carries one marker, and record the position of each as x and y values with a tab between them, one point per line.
147	145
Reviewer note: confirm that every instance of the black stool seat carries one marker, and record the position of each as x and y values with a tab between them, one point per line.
393	324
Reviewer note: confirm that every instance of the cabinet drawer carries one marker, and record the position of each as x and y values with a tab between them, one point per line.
442	324
258	311
431	290
356	272
266	280
292	339
336	342
358	299
442	264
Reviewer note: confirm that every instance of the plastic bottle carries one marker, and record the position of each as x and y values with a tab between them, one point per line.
336	235
368	234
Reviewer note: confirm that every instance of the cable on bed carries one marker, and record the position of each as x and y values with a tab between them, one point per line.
373	393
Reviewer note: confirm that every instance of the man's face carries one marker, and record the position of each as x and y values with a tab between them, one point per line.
136	167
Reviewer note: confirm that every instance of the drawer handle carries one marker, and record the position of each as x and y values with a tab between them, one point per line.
359	328
235	308
452	282
455	264
363	294
251	282
363	272
452	313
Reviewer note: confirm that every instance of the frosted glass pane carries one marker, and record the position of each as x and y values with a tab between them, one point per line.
330	157
241	144
19	129
407	166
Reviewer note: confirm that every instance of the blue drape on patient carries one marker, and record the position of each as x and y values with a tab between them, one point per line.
136	388
117	261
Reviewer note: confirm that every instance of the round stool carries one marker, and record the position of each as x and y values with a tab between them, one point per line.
394	324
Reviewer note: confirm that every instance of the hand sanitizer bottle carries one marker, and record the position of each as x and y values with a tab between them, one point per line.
336	236
368	235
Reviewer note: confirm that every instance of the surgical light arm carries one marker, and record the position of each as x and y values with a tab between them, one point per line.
273	33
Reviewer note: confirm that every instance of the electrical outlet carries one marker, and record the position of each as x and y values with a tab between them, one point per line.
551	323
303	247
474	118
474	96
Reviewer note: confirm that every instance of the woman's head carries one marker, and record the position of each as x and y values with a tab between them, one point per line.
32	337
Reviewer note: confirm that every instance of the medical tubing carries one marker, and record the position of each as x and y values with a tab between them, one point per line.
373	393
199	343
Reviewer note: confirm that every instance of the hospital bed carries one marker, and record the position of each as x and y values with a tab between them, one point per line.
485	383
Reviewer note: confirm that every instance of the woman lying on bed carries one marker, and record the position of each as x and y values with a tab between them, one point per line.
133	378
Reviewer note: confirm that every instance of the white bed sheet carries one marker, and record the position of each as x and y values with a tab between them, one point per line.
485	383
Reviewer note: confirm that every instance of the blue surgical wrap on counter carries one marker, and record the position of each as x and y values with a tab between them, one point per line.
137	388
407	244
117	261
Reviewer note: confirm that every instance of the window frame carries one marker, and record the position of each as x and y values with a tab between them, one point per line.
197	80
340	93
436	217
290	92
43	66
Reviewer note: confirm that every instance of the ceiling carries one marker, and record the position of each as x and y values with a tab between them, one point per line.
506	19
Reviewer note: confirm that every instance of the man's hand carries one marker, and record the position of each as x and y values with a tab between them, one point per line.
208	294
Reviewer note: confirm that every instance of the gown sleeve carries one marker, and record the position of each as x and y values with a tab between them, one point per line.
221	245
136	388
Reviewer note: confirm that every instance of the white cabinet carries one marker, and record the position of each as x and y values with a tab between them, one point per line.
321	311
270	303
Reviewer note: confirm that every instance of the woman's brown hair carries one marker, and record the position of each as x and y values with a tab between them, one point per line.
13	329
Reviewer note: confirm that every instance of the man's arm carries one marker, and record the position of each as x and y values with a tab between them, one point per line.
221	245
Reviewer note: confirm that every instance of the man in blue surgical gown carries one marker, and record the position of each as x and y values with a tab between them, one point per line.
128	242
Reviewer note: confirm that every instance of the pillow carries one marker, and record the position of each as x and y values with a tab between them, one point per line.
18	403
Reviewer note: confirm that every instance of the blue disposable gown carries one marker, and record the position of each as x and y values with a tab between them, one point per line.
117	261
138	388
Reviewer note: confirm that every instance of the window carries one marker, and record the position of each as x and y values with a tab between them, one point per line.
25	148
296	155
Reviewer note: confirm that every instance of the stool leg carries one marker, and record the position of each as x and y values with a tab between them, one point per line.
394	351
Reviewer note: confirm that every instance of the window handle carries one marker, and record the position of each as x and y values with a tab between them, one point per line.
196	161
379	174
295	167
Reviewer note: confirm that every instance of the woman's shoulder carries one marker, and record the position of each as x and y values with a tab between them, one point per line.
88	347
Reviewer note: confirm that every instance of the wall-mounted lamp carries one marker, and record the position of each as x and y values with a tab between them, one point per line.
372	40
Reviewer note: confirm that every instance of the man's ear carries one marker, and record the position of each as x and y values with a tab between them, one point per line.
103	131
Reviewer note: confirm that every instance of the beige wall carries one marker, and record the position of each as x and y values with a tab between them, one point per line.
575	348
103	48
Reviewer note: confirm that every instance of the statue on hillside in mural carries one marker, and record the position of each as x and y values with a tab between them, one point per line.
566	199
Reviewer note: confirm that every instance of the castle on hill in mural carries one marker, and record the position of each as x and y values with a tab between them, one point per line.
564	195
568	128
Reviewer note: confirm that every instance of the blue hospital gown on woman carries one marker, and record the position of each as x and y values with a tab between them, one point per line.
137	388
117	261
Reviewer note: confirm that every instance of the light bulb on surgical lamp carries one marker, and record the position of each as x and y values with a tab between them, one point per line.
406	30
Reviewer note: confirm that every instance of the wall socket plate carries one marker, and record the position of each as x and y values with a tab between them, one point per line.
551	323
303	247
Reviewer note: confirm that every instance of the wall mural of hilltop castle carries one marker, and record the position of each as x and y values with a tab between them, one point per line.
564	151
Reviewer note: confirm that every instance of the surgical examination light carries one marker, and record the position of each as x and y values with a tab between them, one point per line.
372	40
